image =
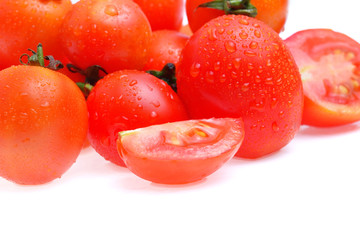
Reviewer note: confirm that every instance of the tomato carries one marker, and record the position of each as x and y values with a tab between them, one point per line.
272	12
180	152
165	47
185	29
329	64
43	124
110	33
163	14
25	23
236	66
126	100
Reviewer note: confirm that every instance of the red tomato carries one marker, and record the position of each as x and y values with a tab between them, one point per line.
25	23
111	33
236	66
180	152
272	12
329	64
165	47
126	100
43	124
163	14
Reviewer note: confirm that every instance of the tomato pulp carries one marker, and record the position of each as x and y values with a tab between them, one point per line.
329	64
180	152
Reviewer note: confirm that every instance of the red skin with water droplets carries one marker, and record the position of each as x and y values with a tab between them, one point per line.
163	14
236	66
126	100
112	34
25	24
165	47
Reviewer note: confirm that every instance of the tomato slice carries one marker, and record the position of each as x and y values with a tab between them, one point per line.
329	63
180	152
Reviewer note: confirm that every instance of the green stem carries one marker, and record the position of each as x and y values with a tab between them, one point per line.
239	7
38	59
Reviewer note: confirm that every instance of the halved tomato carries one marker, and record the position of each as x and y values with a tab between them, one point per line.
180	152
329	63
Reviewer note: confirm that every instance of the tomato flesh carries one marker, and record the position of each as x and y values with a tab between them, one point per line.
180	152
329	65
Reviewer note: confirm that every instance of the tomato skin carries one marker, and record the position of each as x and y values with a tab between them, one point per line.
43	124
272	12
25	24
126	100
163	14
180	152
236	66
325	55
110	33
165	47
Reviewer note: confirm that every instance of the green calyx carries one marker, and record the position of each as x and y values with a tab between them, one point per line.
92	75
166	74
238	7
38	59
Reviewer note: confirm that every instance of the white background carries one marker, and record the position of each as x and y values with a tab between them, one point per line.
308	190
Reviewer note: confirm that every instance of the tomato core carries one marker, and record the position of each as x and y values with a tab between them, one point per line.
340	78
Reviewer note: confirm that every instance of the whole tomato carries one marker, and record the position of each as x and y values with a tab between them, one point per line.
43	124
163	14
25	23
125	100
237	66
114	34
165	47
272	12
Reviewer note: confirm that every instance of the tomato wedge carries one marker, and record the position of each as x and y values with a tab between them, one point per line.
329	63
180	152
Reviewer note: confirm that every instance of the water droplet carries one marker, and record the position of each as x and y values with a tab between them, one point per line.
111	10
217	65
237	63
250	53
210	76
275	127
281	114
222	78
155	103
153	114
132	83
45	104
230	46
257	33
212	34
195	70
243	35
253	45
243	21
245	87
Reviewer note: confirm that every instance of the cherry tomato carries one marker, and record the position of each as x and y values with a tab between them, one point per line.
25	23
163	14
272	12
110	33
329	64
43	124
165	47
236	66
180	152
126	100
